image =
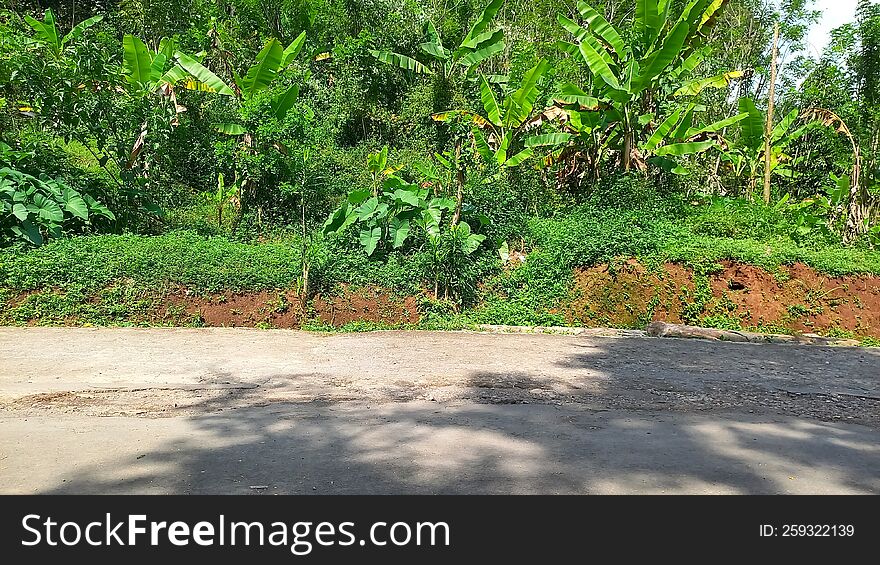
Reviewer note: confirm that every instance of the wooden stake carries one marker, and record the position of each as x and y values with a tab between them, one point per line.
769	129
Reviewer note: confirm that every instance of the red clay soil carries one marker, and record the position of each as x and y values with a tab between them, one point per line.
280	309
365	305
797	299
283	309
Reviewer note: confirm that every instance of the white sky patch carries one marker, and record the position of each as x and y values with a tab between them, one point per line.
834	14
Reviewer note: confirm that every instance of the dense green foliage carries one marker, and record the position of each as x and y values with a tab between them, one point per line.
271	144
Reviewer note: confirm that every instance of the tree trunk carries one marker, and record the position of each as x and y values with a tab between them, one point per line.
859	204
769	128
305	251
459	181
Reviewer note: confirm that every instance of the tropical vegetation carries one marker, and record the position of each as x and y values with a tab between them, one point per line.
474	153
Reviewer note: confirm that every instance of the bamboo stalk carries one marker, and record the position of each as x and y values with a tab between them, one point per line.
769	128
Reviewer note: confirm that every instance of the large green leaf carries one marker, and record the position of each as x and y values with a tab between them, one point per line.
524	98
46	29
558	138
434	50
472	242
596	59
487	97
432	34
264	71
584	36
667	164
336	219
136	60
659	59
47	209
157	66
691	62
501	152
98	209
482	146
230	129
630	73
716	126
572	94
406	197
482	22
783	126
431	220
292	50
167	47
693	13
790	137
433	46
173	75
663	130
369	238
711	10
585	122
443	203
283	102
689	148
399	231
20	211
663	16
568	47
203	74
27	230
572	27
518	158
687	121
490	46
402	61
694	87
647	21
368	209
358	196
80	28
600	26
77	207
752	127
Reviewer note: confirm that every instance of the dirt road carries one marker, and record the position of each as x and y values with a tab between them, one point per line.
251	411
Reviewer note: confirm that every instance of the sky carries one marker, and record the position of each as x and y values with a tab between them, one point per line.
834	13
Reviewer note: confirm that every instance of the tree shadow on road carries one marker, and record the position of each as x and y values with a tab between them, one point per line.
664	418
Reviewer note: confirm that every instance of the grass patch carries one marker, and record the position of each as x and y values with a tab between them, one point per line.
94	263
121	279
590	235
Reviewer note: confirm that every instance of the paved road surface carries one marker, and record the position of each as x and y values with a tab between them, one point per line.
227	410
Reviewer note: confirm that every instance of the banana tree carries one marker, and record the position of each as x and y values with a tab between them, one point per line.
260	78
495	132
160	72
746	154
47	31
861	205
633	84
271	61
481	42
